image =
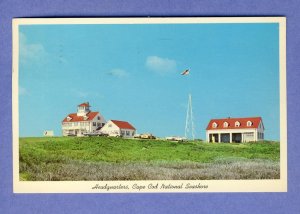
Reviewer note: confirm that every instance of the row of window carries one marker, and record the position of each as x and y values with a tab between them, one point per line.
236	124
127	133
81	108
98	124
82	124
76	124
84	117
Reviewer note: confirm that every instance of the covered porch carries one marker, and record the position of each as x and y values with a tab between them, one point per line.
226	137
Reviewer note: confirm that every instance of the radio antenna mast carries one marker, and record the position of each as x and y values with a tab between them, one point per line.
189	122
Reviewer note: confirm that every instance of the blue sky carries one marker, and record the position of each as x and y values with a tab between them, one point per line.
132	73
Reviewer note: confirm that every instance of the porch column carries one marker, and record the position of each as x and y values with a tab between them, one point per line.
255	135
219	138
230	137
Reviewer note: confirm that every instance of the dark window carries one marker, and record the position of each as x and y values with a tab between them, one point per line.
99	117
94	123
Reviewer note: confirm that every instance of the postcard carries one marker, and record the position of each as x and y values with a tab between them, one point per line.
149	105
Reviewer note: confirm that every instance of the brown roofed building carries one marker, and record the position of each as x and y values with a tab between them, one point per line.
118	128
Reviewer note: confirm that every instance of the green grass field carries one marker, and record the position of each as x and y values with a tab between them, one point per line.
105	158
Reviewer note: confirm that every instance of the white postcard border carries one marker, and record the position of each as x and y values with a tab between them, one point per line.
151	186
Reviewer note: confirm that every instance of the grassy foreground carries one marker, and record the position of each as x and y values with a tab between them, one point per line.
103	158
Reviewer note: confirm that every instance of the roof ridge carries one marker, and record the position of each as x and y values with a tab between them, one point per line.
226	118
128	125
243	120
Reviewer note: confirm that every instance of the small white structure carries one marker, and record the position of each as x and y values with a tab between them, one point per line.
84	121
236	130
118	128
48	133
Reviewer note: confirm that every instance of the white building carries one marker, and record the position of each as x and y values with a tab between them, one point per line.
83	121
118	128
235	130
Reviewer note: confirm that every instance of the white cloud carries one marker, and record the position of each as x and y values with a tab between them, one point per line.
30	51
160	65
119	73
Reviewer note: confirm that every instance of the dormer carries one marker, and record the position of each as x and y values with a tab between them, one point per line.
214	125
69	118
83	109
237	124
225	124
85	117
249	123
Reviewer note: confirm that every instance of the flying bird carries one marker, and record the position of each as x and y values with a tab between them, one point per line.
186	72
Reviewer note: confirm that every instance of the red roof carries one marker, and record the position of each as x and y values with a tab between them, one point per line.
84	104
231	123
75	118
123	124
